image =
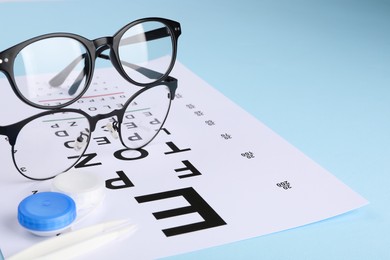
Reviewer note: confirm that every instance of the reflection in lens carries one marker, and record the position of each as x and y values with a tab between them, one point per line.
141	48
145	116
51	71
51	144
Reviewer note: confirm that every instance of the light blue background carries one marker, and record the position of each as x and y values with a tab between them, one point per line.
316	72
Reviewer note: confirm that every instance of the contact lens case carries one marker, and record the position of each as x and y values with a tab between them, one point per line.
47	213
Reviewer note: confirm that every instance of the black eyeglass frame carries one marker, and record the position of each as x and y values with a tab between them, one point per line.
12	131
94	48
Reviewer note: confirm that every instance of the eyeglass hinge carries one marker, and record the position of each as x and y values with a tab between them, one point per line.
5	60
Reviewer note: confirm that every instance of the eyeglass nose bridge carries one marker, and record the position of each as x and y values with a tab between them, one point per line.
118	113
113	126
103	42
107	43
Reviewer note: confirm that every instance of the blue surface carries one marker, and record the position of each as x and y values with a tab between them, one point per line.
316	72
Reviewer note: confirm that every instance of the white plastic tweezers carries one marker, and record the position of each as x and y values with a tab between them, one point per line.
77	242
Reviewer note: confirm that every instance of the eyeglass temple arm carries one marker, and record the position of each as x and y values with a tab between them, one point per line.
151	74
145	71
171	83
146	36
75	86
58	79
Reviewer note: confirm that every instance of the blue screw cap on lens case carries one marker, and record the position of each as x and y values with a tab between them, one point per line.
46	212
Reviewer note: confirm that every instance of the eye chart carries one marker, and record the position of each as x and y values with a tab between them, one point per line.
204	180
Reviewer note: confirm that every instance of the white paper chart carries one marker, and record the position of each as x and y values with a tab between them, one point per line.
213	175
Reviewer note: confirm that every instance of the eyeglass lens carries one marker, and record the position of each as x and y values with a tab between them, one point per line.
139	49
51	144
38	63
145	116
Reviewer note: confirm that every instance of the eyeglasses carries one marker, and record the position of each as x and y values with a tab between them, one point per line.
53	141
58	67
